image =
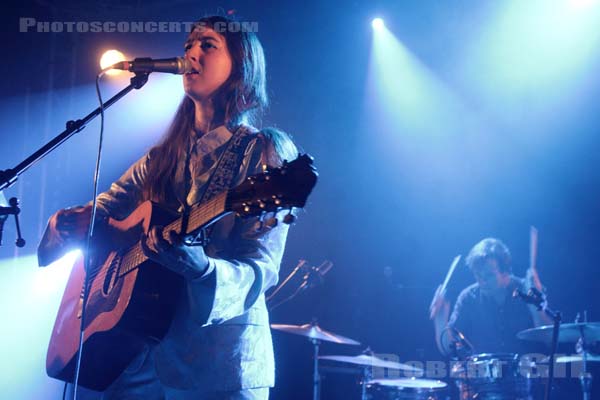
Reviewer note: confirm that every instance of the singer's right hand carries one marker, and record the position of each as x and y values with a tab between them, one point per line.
440	307
71	224
66	230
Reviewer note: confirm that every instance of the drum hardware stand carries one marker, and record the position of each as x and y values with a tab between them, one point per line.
316	375
538	299
366	378
585	378
556	317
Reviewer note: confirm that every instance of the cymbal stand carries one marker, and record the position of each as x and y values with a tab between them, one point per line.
316	375
538	299
585	378
556	317
367	375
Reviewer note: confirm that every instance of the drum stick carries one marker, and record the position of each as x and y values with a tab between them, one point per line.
533	247
450	271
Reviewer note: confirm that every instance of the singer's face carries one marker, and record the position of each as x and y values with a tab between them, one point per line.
207	50
489	277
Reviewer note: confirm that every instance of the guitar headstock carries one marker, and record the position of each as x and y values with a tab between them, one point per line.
274	189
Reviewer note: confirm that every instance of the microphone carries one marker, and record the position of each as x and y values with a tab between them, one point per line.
176	65
315	275
533	296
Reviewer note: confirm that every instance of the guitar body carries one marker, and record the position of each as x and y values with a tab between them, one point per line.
121	311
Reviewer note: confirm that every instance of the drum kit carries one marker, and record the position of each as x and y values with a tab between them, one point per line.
491	376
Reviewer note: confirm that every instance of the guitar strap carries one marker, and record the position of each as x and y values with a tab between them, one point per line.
220	180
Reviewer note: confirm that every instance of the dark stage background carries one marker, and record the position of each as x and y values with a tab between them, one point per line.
502	133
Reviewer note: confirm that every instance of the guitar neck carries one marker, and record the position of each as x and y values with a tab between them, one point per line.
199	217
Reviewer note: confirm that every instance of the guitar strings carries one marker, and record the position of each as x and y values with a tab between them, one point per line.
134	256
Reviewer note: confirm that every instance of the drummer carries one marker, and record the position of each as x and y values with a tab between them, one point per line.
485	316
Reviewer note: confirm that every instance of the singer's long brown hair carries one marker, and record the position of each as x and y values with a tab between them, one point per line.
240	99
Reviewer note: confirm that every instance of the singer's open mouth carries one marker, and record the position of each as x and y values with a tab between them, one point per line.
193	72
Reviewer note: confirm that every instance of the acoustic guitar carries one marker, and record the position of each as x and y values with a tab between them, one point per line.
131	297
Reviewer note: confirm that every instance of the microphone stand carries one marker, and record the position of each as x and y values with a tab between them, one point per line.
312	278
12	210
9	176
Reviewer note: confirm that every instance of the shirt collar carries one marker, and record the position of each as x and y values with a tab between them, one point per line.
214	139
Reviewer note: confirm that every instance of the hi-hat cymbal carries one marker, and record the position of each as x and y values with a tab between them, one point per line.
314	331
569	333
372	361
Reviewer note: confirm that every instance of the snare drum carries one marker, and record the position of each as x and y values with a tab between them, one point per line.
406	389
493	376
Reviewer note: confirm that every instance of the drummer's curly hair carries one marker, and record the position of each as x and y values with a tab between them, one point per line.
489	248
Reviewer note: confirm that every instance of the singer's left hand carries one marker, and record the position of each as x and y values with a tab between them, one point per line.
189	261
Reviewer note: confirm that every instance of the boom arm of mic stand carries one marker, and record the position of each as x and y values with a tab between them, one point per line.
9	176
287	279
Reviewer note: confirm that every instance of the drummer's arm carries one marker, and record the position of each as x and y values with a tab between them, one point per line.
439	310
440	324
459	320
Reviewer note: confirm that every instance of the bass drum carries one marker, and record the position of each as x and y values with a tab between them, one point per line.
493	376
407	389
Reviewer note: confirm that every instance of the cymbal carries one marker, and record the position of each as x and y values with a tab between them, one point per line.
372	361
569	333
578	358
412	383
314	332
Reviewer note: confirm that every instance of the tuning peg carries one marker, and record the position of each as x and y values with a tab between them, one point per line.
289	218
271	222
261	222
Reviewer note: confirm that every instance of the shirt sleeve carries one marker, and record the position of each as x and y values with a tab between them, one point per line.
244	256
460	317
125	194
117	202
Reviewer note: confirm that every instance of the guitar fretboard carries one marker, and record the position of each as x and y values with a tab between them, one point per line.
199	217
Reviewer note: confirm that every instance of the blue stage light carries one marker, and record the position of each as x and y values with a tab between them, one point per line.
377	23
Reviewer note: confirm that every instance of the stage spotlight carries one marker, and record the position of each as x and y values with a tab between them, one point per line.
584	3
377	23
109	58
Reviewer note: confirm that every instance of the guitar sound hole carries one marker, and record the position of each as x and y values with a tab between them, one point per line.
111	274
